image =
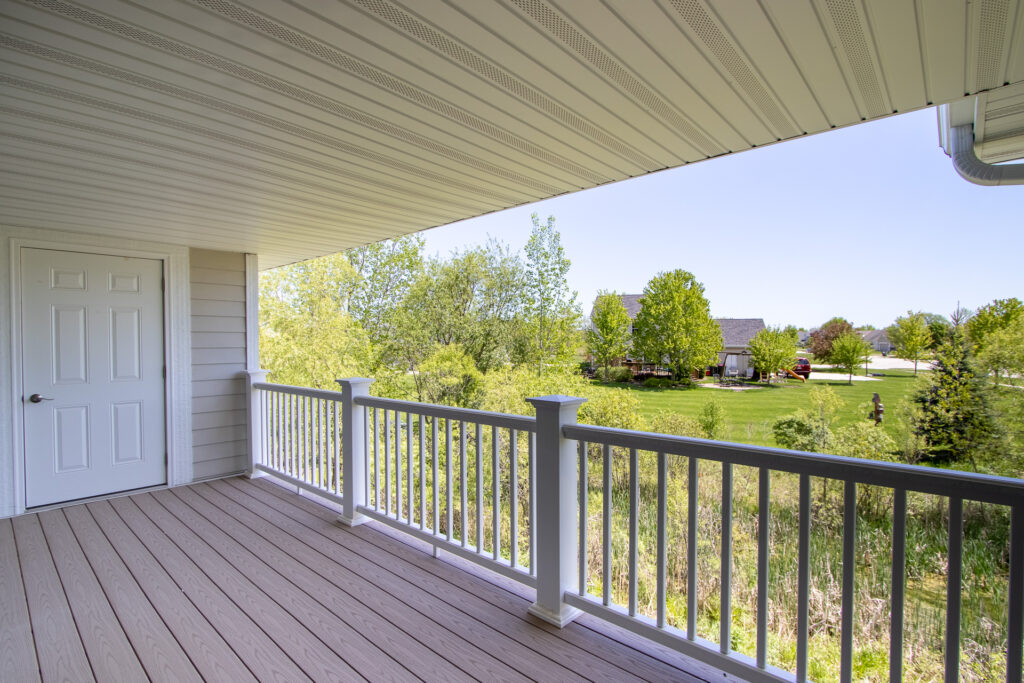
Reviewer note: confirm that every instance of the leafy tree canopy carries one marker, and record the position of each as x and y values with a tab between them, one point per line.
772	349
675	324
552	313
911	336
997	315
849	351
608	336
822	338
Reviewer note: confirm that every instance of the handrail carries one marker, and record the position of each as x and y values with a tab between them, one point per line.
504	420
980	487
325	394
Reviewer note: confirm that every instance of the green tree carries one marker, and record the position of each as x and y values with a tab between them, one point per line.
306	337
473	299
553	315
849	351
821	339
992	317
608	336
385	272
911	336
771	349
939	327
1003	353
794	332
675	324
449	376
955	420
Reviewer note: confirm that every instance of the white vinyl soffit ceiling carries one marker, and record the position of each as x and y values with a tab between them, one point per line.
296	129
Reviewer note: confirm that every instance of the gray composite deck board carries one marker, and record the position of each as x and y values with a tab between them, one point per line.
58	645
106	644
643	659
240	580
363	579
161	624
17	651
385	649
529	649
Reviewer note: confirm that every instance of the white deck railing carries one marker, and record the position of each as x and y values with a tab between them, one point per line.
508	491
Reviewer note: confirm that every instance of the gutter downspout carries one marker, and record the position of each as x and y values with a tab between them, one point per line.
973	169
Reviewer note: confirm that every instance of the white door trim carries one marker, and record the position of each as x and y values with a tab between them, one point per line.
177	349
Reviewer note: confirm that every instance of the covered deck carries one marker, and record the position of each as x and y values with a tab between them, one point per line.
240	580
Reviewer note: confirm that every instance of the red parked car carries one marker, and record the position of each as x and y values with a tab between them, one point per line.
802	368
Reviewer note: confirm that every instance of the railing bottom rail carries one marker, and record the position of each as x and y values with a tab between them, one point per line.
702	650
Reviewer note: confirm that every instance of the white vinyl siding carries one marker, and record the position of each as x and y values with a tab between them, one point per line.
219	432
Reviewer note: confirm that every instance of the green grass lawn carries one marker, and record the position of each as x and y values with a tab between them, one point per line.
749	414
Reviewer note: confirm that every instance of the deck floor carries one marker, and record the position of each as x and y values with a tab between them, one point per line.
237	580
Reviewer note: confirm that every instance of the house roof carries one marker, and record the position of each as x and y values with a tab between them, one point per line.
737	332
296	129
874	336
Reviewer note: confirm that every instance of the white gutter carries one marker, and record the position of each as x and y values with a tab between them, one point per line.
973	169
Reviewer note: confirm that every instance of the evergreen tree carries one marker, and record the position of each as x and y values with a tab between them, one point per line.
955	420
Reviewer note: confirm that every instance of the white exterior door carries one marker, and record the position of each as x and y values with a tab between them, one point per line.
92	344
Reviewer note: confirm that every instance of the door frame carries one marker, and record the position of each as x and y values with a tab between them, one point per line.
177	350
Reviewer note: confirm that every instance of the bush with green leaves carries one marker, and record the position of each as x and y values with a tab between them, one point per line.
658	383
449	376
620	373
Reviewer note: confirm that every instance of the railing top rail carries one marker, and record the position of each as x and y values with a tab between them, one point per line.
969	485
298	391
519	422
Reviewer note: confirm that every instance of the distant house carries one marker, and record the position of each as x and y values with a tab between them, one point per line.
736	336
878	339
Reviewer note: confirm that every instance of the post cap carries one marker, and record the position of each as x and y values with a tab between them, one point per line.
556	400
355	381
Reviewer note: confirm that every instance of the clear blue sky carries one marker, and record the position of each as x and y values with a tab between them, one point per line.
863	222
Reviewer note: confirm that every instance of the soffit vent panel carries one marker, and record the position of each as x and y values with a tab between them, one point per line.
294	129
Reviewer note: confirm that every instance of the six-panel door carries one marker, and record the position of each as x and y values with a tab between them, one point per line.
93	386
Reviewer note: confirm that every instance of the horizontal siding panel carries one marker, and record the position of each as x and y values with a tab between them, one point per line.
210	404
228	449
217	323
218	292
219	468
220	418
228	308
205	437
218	340
218	387
221	260
218	357
218	371
216	276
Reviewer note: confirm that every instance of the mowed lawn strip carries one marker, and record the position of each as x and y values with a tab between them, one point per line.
749	414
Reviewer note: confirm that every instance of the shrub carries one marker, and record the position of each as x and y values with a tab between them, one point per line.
712	419
618	374
673	423
658	383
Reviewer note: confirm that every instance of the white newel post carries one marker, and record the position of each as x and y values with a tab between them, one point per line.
256	420
557	509
353	449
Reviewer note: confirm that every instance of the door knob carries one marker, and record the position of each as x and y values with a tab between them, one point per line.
39	398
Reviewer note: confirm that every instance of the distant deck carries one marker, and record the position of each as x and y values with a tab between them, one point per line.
238	580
